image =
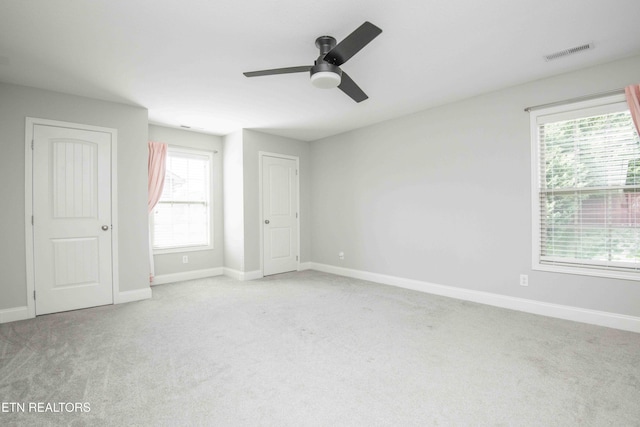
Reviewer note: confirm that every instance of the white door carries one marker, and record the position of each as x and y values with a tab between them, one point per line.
280	216
72	218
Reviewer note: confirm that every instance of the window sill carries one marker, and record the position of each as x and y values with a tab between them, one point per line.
587	271
182	249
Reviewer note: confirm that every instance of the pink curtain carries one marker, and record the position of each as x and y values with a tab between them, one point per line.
157	159
157	167
633	99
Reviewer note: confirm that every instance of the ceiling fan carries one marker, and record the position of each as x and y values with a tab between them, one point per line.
326	72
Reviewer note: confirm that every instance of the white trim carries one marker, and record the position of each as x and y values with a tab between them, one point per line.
577	314
209	154
187	275
573	110
261	155
22	313
179	249
28	212
135	295
252	275
585	271
14	314
30	122
115	229
305	266
241	275
230	272
567	111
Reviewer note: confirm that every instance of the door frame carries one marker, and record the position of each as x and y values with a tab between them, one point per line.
261	156
30	123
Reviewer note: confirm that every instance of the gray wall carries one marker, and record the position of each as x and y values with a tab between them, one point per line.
444	196
198	260
254	142
441	196
17	103
233	193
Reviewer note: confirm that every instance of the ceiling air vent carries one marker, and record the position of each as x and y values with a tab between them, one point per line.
569	51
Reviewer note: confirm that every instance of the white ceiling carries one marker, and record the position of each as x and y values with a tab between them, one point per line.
183	59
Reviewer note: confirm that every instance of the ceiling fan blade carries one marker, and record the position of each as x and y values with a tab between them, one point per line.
348	86
288	70
352	44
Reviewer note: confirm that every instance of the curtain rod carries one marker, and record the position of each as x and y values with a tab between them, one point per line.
579	98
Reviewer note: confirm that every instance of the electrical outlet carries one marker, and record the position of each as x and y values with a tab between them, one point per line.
185	259
340	255
524	280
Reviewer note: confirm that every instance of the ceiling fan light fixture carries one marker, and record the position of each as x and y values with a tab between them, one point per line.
325	79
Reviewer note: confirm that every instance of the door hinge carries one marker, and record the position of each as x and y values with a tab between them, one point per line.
32	144
34	295
31	219
296	214
296	257
296	171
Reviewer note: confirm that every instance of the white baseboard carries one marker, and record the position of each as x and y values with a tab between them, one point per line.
135	295
187	275
252	275
304	266
241	275
594	317
22	313
14	314
230	272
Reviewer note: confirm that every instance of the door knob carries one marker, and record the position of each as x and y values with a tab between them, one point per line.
266	221
105	227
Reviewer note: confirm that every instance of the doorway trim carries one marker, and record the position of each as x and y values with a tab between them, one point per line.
261	155
30	123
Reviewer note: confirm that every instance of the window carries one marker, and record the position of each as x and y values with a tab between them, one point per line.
182	218
586	189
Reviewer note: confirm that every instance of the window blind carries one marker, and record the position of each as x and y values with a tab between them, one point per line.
589	189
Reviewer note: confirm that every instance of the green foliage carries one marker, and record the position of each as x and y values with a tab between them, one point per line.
586	155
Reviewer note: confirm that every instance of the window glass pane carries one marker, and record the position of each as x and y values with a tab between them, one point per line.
186	178
181	225
602	225
589	152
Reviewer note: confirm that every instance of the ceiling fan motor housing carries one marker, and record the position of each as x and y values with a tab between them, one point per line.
324	74
325	44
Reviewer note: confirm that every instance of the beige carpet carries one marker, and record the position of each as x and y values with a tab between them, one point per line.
313	349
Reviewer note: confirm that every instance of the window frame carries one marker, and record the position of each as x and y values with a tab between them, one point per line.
567	111
178	249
